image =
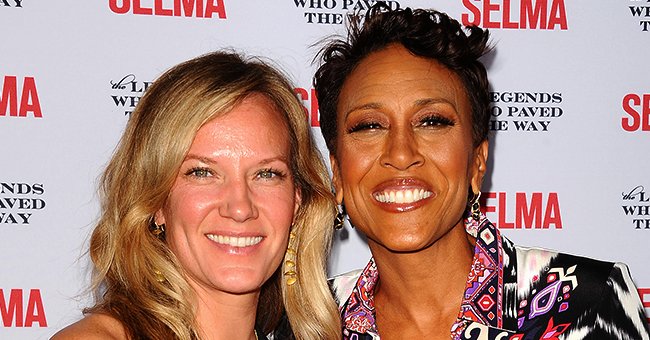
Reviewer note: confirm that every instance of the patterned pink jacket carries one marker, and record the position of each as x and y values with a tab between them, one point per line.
518	293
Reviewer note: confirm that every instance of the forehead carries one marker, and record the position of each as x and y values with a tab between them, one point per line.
393	74
255	124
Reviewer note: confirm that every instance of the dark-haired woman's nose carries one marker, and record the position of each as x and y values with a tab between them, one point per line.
401	149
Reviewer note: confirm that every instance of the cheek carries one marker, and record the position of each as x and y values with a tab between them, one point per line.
278	203
451	157
283	210
188	207
277	212
354	163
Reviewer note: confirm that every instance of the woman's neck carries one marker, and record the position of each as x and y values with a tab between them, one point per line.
221	315
427	284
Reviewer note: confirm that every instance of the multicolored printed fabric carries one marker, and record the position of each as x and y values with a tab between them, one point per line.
518	293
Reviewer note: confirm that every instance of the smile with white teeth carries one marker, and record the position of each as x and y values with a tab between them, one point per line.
234	241
402	196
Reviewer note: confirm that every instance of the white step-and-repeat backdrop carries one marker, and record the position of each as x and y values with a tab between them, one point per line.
570	157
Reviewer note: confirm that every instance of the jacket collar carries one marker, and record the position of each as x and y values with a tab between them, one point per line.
482	300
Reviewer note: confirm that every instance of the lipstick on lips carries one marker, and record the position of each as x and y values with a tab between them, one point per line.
402	194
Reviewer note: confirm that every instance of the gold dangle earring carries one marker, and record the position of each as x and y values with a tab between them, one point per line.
159	276
290	261
158	230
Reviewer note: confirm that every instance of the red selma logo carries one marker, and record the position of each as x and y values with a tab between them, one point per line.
27	103
310	104
187	8
532	211
532	14
637	109
22	310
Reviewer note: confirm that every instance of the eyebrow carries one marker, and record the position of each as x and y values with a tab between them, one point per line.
275	159
430	101
418	103
373	106
212	161
199	158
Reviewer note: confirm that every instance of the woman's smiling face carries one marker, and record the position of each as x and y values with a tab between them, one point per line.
405	158
229	212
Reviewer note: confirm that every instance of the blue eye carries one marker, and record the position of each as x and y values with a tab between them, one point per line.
270	173
199	172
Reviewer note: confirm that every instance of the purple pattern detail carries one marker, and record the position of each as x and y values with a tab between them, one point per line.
359	313
543	301
564	306
482	299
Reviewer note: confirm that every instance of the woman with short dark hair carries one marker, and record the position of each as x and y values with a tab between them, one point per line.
404	113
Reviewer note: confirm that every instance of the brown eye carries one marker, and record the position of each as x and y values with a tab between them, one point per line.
365	126
435	121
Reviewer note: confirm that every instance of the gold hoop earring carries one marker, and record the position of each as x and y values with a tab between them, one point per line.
475	206
340	217
157	230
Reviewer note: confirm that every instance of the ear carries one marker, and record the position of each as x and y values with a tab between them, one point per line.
336	180
159	217
479	166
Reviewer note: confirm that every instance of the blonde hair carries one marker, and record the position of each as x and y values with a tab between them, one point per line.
137	278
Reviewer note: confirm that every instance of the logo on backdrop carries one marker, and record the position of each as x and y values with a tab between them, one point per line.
22	308
19	201
12	3
176	8
516	14
636	205
641	13
524	111
19	98
128	92
637	112
534	210
309	104
332	12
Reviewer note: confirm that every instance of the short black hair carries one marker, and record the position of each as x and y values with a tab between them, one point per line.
425	33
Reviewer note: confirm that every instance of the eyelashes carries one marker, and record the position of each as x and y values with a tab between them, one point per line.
271	173
199	172
435	121
365	126
427	121
264	174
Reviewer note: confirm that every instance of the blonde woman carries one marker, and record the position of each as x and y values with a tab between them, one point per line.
216	213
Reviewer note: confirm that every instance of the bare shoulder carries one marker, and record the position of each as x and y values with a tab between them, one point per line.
93	327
